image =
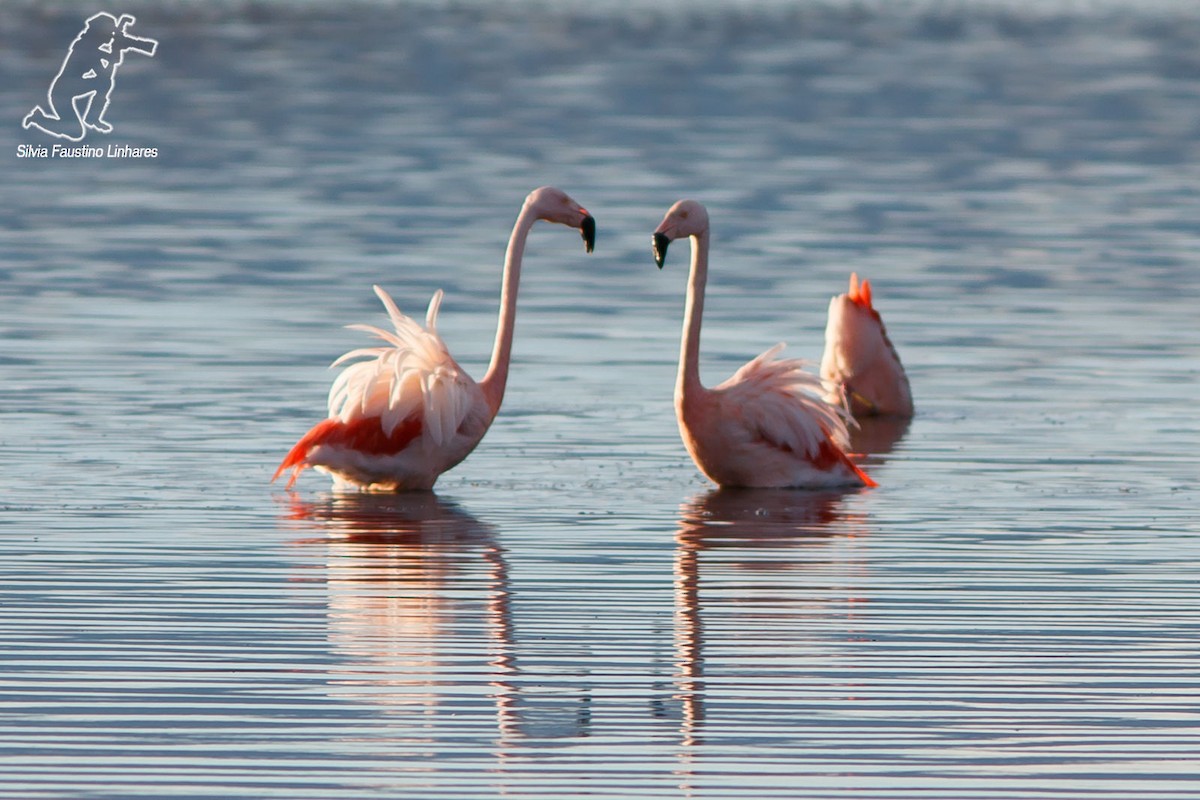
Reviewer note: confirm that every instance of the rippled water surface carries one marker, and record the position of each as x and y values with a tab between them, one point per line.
1013	613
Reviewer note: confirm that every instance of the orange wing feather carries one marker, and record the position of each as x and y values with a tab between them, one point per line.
829	454
860	293
364	435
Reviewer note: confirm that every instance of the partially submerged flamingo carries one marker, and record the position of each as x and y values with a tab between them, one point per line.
408	412
860	360
766	426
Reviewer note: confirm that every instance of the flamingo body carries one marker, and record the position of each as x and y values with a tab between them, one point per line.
399	418
768	424
401	414
860	360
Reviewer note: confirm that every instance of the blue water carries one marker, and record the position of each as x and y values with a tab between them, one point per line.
1011	614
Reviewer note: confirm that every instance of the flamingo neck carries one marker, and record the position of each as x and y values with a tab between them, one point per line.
494	381
689	350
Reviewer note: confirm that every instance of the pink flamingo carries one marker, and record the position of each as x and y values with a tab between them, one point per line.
860	360
409	412
767	425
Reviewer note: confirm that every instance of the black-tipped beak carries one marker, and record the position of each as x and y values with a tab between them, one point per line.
660	248
587	229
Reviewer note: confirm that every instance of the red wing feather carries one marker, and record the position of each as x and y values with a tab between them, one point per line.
829	454
364	435
860	293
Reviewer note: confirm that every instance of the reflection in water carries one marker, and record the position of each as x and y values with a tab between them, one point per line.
748	534
878	435
417	586
412	579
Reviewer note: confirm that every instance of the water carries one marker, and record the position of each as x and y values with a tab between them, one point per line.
1011	614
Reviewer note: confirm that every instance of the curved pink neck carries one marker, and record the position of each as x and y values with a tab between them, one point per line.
494	381
689	350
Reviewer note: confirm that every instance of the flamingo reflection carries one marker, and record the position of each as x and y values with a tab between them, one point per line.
415	585
877	436
731	547
412	579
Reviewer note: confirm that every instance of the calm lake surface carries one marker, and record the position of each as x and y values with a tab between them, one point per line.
1013	613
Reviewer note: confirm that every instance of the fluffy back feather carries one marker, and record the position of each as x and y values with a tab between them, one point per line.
412	376
784	403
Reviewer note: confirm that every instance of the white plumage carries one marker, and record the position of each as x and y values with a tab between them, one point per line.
414	375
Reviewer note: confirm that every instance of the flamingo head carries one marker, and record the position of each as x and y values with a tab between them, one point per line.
685	218
555	205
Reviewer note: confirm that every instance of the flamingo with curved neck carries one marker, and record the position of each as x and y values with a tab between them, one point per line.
767	425
407	412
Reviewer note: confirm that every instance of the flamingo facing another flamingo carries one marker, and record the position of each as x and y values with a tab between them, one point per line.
767	425
860	360
408	412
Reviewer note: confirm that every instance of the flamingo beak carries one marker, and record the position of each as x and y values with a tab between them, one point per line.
587	229
660	248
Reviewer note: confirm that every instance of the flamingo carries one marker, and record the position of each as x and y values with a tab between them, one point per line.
767	425
408	412
860	361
